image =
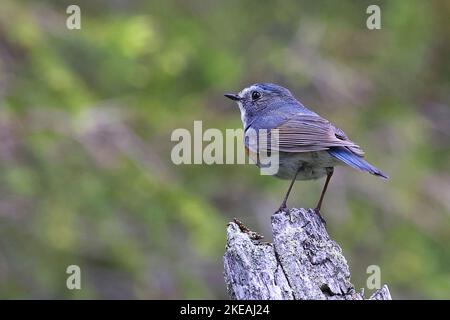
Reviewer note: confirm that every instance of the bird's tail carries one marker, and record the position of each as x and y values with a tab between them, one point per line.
355	161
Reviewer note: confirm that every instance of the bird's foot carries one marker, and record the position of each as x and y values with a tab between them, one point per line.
251	234
282	208
317	211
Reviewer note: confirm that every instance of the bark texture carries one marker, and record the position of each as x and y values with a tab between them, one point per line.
302	262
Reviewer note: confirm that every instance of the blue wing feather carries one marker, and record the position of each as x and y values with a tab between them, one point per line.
354	161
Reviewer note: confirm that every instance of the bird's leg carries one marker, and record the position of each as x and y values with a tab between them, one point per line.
283	204
330	171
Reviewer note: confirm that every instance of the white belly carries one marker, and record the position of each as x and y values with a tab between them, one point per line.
313	165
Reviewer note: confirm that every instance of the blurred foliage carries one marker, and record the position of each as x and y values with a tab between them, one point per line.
86	117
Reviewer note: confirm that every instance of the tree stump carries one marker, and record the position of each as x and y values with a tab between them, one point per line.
302	263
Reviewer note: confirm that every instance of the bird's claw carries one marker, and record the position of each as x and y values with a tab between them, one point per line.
317	211
282	208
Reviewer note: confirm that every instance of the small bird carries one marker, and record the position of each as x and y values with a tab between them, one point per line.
309	146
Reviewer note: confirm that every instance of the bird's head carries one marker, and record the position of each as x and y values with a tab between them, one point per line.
261	96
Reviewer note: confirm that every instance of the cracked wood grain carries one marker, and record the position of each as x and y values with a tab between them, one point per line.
302	262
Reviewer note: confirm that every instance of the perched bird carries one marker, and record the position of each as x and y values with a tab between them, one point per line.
309	145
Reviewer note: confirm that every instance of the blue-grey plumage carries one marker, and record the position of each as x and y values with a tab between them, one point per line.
309	145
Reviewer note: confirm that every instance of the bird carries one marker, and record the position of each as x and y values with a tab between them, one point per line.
309	146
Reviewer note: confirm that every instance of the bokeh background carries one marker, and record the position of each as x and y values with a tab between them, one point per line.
86	118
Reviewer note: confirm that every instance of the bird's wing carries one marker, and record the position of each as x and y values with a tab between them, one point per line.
305	133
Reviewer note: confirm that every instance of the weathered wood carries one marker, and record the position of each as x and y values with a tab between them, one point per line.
302	263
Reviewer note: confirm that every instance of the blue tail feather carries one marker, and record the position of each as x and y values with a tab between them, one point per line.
355	161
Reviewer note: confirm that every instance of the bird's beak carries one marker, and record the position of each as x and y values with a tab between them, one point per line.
232	96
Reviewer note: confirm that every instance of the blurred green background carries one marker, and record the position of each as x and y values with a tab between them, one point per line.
86	118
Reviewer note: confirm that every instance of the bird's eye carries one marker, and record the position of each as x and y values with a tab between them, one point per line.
256	95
